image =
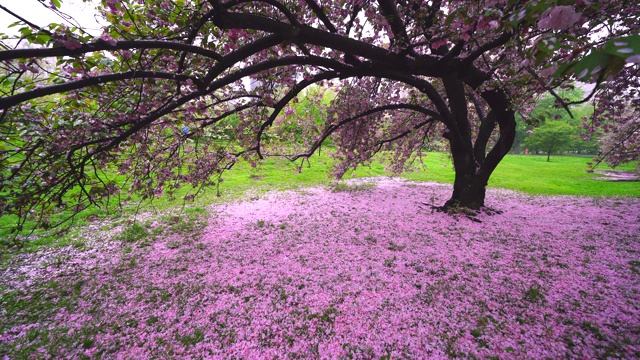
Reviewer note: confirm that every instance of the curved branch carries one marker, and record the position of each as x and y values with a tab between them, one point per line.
321	15
10	101
505	118
225	114
433	117
424	65
193	34
292	19
225	100
283	61
287	98
426	88
405	133
213	86
242	54
103	46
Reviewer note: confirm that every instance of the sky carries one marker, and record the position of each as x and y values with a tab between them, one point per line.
36	12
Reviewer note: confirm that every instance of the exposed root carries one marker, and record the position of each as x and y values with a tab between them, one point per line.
456	211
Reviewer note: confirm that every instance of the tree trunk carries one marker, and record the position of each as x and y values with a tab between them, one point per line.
469	193
472	163
469	186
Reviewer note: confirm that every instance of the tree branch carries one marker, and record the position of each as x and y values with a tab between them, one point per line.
390	12
434	116
424	65
499	41
283	9
287	98
9	101
321	15
103	46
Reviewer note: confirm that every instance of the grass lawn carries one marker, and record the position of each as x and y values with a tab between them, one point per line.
564	175
532	174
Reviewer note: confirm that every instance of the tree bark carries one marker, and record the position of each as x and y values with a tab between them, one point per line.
469	186
472	163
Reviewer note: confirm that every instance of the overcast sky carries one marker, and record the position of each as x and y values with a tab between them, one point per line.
37	13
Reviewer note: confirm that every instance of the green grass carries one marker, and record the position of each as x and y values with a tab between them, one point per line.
563	175
532	174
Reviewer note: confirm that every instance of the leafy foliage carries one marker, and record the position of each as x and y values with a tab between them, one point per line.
551	137
617	116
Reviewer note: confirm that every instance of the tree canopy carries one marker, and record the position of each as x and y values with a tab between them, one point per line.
551	137
617	116
107	118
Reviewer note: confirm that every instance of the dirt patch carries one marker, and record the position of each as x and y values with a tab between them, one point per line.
617	175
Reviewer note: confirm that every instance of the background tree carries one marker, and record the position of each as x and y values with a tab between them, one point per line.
405	72
548	107
617	117
552	137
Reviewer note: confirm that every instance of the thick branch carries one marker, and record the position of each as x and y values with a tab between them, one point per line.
458	104
487	124
505	118
424	65
390	12
103	46
10	101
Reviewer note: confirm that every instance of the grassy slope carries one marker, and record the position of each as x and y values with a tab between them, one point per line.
533	174
563	175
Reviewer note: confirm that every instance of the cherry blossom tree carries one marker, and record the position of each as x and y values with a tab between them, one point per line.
109	119
617	117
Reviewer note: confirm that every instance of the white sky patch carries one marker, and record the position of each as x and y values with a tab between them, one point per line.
78	12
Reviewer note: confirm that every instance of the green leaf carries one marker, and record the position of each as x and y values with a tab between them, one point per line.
9	80
42	39
623	47
591	67
56	3
26	31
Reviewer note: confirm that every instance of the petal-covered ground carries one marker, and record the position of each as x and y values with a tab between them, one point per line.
368	272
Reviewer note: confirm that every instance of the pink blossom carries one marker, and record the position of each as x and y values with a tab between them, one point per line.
309	274
108	39
559	18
